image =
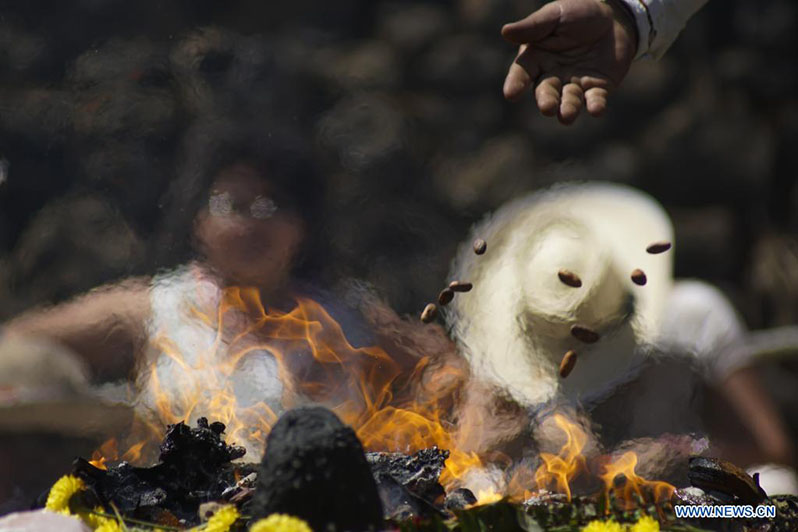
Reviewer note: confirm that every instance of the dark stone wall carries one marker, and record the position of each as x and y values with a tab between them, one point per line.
400	104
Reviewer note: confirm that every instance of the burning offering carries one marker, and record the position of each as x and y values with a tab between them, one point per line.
251	415
316	475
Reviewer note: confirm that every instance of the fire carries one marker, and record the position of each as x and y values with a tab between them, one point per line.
385	399
557	471
398	404
487	496
109	452
620	479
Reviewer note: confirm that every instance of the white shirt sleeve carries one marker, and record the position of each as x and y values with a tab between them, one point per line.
659	23
701	322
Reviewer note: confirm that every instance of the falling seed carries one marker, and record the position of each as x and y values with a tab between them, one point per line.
570	278
445	297
619	481
460	286
480	246
583	334
658	247
429	313
567	364
639	277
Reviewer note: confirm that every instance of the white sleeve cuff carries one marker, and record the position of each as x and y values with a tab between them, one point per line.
659	22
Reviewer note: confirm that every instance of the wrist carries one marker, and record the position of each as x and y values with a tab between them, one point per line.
624	16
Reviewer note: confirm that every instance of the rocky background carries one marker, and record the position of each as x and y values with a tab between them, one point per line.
401	104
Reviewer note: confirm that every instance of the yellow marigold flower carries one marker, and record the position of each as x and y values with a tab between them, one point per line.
645	524
100	522
280	523
603	526
61	492
109	525
223	519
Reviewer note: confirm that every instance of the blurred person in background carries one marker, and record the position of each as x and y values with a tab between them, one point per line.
567	276
242	205
574	53
244	211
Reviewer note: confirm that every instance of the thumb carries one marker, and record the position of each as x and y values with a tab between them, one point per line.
535	27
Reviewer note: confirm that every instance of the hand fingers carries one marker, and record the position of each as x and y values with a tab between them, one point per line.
516	82
571	103
521	75
566	102
597	91
535	27
596	100
547	95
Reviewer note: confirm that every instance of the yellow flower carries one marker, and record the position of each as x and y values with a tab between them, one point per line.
61	492
280	523
645	524
223	519
109	525
603	526
100	522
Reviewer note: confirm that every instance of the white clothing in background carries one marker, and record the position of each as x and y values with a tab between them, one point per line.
701	322
191	364
659	22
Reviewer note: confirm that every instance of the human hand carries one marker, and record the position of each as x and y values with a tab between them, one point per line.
574	52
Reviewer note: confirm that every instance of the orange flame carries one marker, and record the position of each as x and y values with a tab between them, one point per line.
397	404
629	489
556	471
487	496
109	452
393	404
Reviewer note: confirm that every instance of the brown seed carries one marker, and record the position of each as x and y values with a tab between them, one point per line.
460	286
583	334
567	364
480	246
429	313
445	297
639	277
570	278
658	247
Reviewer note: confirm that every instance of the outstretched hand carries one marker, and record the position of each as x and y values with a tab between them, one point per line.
574	53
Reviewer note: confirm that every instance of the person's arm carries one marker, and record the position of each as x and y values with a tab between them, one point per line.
659	22
574	53
105	327
702	322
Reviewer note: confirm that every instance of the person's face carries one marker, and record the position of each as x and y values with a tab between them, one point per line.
244	234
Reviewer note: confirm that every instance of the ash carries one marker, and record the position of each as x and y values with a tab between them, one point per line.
195	466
